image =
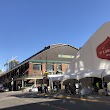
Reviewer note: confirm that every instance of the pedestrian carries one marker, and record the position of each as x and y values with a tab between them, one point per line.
80	86
73	89
97	86
69	89
82	91
41	89
105	88
45	89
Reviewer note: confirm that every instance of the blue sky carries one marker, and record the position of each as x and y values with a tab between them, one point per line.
27	26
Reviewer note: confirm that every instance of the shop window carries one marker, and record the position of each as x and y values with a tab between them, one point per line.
59	67
50	68
37	67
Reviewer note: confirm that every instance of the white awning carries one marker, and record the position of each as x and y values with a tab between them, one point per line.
56	77
71	76
83	74
92	73
106	73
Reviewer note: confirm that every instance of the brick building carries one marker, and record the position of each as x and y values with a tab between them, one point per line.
54	59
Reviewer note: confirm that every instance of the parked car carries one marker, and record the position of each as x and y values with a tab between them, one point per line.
33	89
1	89
5	89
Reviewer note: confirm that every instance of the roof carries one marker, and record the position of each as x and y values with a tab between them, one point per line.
45	48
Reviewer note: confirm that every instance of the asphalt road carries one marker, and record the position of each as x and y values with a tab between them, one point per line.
21	101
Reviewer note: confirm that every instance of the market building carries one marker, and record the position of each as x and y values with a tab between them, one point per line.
51	60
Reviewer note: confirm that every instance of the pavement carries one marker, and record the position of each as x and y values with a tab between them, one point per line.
95	97
18	100
90	97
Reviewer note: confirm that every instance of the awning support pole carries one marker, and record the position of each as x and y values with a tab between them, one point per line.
102	78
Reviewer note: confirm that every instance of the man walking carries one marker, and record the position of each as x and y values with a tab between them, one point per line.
105	88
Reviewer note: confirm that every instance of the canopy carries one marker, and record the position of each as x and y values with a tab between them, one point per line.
90	73
71	76
55	77
93	58
106	73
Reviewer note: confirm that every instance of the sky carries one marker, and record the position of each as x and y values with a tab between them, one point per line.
27	26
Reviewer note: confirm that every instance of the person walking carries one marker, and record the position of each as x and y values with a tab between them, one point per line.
73	89
105	88
80	87
97	86
69	89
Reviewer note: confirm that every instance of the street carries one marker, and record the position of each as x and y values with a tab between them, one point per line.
32	101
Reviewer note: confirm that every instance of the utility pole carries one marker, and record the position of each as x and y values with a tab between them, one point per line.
46	60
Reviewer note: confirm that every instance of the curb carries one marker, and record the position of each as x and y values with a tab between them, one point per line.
73	98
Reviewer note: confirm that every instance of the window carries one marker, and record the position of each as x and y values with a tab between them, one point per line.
59	67
37	67
50	67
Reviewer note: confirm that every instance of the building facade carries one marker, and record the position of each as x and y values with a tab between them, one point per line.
53	59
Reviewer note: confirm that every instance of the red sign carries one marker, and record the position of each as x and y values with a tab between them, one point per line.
103	50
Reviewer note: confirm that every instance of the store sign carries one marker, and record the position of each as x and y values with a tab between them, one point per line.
103	50
66	56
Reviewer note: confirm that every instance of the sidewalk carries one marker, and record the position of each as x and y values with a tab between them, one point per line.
89	97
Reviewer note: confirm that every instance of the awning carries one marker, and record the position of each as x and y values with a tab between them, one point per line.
92	73
83	74
71	76
56	77
106	73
